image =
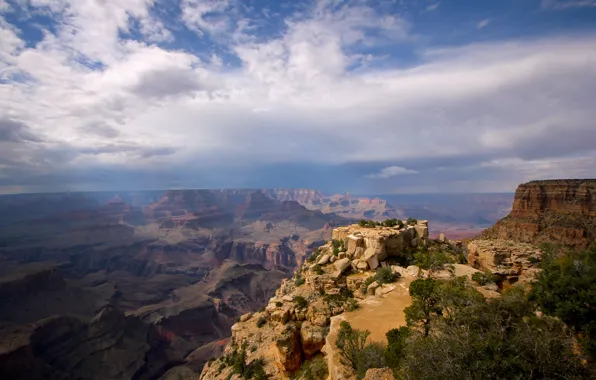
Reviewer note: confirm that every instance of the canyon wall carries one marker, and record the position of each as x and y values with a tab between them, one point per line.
554	211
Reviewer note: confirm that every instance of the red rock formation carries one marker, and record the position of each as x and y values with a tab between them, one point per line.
554	211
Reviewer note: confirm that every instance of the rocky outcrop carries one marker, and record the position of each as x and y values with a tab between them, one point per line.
554	211
287	345
312	338
366	247
295	325
510	261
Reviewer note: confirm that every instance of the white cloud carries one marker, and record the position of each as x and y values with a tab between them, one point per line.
432	7
391	171
483	23
99	99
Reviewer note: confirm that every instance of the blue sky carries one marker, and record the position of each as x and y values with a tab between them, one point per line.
388	96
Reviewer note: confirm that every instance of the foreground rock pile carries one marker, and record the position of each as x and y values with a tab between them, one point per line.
294	325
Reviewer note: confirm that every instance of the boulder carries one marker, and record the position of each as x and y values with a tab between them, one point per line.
354	284
342	255
245	317
397	270
370	290
288	298
413	270
354	241
312	338
324	259
332	259
281	316
442	238
362	265
372	258
318	314
422	229
287	347
342	264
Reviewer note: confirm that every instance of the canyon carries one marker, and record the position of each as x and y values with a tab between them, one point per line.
139	282
301	322
125	285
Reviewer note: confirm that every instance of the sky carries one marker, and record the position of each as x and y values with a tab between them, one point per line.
375	97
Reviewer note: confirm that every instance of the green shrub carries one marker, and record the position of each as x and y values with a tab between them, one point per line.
278	303
369	281
351	343
371	356
566	289
533	260
411	221
300	302
261	322
384	275
396	345
351	304
480	338
222	366
299	281
480	278
314	369
432	260
313	256
255	370
318	270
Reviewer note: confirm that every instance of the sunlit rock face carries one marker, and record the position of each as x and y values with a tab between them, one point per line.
554	211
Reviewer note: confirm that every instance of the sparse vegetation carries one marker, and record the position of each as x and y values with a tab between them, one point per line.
301	302
340	299
480	278
299	281
351	343
385	275
338	246
313	256
411	221
351	304
432	259
318	270
313	369
261	321
387	223
279	303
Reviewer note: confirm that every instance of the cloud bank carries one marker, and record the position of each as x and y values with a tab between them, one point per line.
195	93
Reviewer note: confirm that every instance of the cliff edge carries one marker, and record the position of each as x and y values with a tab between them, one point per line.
554	211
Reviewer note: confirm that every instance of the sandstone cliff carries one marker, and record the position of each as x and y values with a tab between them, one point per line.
554	211
562	212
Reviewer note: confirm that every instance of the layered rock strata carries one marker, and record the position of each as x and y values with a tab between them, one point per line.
554	211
